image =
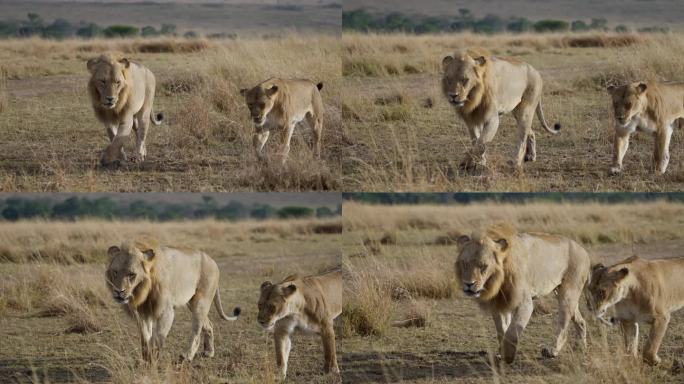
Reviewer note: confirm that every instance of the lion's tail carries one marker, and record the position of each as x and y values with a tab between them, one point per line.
219	308
156	118
540	115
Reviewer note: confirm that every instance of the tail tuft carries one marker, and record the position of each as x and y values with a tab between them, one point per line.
557	126
160	116
319	86
237	311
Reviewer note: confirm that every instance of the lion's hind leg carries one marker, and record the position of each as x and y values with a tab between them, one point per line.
568	303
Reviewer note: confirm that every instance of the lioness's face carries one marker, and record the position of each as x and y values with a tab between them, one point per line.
461	75
273	303
477	263
109	80
606	288
126	271
627	101
260	101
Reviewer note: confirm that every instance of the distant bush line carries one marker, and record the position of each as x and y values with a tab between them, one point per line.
35	26
363	21
72	208
515	198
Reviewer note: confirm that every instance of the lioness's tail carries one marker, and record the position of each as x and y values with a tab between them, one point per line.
540	115
156	118
219	308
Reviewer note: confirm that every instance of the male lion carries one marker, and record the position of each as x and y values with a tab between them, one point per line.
122	94
649	107
153	280
281	104
505	270
482	87
309	304
637	290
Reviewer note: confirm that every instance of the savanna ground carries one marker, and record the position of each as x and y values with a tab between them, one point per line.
406	136
406	320
52	140
58	322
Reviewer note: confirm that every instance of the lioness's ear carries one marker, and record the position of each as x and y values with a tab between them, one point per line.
597	267
125	62
265	285
611	88
149	254
113	251
289	290
446	61
462	240
503	244
481	60
621	274
641	87
243	91
92	63
272	91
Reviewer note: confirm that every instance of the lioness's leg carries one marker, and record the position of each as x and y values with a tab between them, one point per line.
521	316
620	145
259	140
316	124
286	141
281	336
655	338
662	148
630	333
329	353
162	329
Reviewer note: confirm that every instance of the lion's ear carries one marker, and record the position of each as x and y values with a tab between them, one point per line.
113	251
446	61
149	254
503	244
243	91
92	63
641	87
272	91
462	240
125	62
289	290
481	60
265	285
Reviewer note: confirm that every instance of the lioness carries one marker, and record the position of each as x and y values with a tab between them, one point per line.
281	104
308	304
505	270
482	87
637	290
153	280
649	107
122	94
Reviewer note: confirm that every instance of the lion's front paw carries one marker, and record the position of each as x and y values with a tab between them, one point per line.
614	170
548	353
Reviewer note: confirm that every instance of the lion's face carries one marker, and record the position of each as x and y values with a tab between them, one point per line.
479	264
109	80
628	101
273	303
260	100
127	270
462	75
606	288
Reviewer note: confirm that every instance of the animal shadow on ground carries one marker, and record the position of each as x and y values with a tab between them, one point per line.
392	367
12	370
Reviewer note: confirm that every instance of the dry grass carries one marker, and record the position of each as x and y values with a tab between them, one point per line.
205	143
59	323
406	137
407	323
